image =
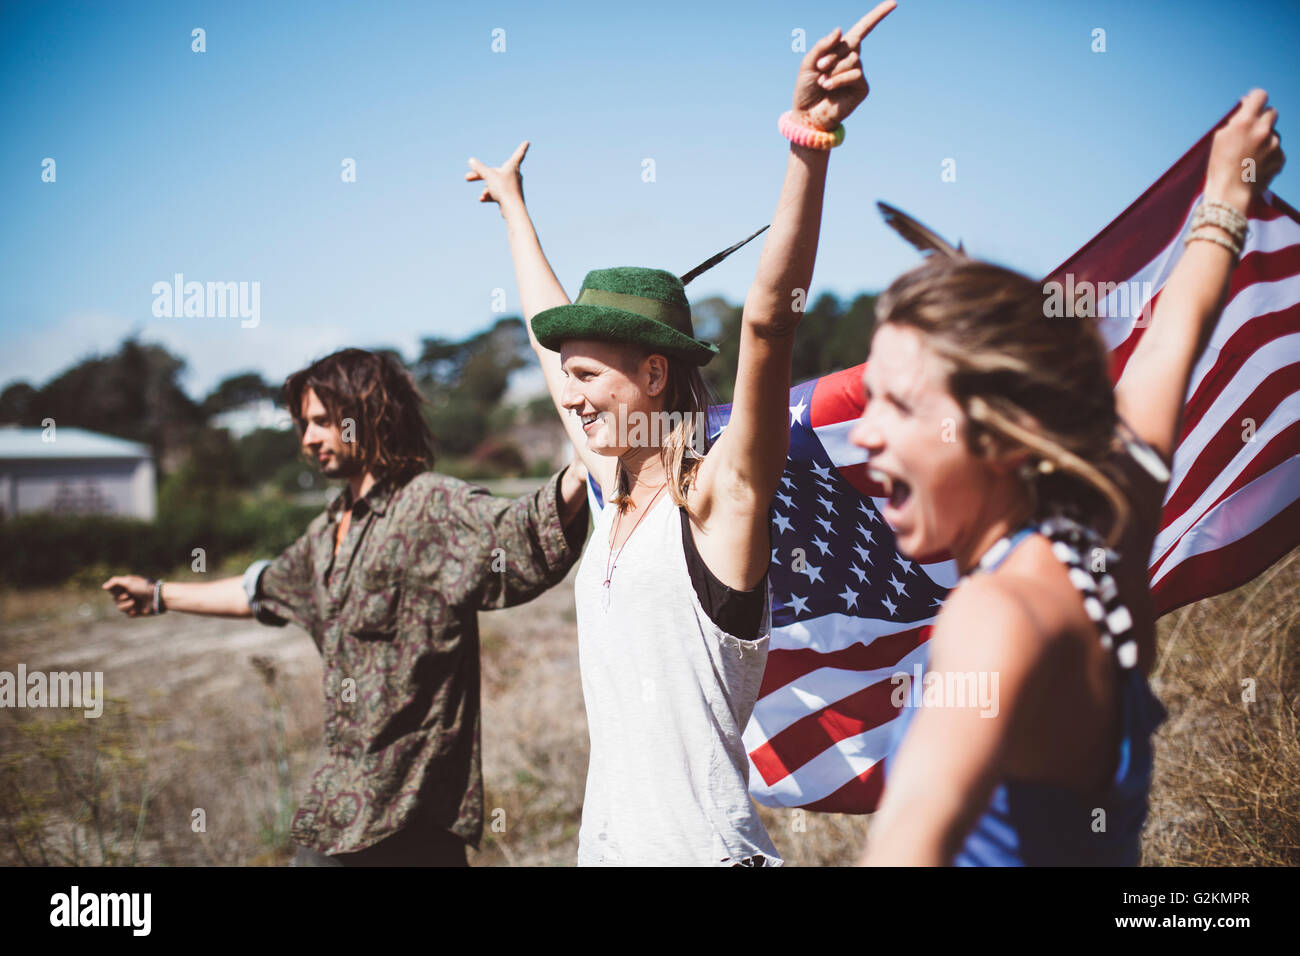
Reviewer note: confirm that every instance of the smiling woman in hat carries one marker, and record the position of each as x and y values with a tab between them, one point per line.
673	617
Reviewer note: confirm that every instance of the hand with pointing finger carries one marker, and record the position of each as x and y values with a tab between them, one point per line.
831	84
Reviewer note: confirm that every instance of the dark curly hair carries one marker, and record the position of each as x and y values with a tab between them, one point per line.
377	393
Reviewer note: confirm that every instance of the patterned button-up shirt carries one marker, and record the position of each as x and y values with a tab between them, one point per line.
394	615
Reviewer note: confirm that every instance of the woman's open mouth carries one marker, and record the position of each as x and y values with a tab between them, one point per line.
896	490
589	420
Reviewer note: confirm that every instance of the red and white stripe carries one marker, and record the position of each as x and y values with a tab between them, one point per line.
1231	509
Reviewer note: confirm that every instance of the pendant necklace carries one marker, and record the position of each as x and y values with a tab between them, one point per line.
612	562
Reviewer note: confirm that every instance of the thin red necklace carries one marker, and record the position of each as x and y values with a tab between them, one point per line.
612	562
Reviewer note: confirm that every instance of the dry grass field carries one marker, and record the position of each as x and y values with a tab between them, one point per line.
212	727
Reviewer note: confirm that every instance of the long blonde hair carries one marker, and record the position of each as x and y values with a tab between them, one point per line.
1024	380
685	394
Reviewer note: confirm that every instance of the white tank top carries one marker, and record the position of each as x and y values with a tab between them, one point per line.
668	694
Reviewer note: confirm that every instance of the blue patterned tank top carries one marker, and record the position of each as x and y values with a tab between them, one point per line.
1040	824
1032	823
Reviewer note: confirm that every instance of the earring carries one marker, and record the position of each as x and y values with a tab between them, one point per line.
1029	473
1030	470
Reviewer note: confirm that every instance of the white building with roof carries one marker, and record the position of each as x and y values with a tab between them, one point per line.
249	417
70	470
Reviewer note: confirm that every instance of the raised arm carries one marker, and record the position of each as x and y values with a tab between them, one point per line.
1151	391
742	470
539	289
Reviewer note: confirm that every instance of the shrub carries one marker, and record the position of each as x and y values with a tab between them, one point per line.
42	549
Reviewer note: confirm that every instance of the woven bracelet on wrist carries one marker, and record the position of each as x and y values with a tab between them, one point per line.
1228	209
1213	213
1211	237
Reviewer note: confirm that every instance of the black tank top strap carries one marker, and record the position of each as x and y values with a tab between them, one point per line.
739	613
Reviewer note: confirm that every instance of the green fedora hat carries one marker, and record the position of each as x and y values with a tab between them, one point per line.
630	305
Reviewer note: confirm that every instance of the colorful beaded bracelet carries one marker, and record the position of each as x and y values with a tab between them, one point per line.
802	135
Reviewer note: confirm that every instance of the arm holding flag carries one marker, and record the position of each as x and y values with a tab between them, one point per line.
1151	392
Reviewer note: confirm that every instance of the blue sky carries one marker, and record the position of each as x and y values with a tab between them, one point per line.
225	165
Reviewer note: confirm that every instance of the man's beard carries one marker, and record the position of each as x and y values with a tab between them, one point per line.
341	467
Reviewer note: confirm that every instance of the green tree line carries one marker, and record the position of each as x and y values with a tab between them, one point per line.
136	394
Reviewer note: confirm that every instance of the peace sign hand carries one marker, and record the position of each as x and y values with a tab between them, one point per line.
504	184
830	84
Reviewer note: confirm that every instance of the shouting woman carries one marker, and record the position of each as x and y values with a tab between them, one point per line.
1049	459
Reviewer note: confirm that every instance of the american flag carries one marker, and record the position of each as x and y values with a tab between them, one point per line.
849	612
859	613
1233	506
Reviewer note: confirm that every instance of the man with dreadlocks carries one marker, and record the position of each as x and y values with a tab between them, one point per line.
388	580
672	606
